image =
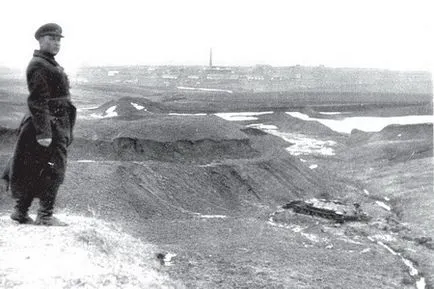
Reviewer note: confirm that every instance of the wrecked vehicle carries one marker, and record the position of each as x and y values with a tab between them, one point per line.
329	209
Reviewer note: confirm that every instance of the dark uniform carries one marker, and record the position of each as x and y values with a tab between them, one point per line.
36	171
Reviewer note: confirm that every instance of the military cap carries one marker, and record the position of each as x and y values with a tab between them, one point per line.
48	29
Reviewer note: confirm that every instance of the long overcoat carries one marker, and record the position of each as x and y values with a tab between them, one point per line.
34	169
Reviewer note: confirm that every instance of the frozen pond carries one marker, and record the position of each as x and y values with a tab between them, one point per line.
305	145
365	123
300	144
342	125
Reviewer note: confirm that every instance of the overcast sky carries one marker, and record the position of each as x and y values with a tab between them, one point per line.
338	33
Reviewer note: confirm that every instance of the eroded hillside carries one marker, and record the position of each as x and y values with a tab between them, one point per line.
211	192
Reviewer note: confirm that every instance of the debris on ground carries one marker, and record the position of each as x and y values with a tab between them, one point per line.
329	209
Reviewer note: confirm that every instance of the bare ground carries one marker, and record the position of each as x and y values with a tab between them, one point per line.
214	199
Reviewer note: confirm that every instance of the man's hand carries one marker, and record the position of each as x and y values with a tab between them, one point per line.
45	142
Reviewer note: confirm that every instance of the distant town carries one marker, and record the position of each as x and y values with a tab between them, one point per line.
258	78
261	78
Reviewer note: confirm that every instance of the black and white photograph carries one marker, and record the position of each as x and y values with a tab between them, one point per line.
216	144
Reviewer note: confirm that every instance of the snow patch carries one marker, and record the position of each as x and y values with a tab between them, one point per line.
212	164
204	89
311	237
263	127
187	114
330	113
137	106
297	228
348	240
388	248
213	216
312	167
384	237
86	108
421	283
383	205
365	250
294	228
301	144
365	123
241	116
110	112
168	259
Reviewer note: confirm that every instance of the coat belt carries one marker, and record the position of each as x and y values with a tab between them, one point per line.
66	97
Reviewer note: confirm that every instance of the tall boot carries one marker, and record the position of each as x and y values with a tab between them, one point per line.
5	178
20	213
45	212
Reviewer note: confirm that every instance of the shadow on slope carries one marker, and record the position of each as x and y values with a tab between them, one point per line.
130	192
397	143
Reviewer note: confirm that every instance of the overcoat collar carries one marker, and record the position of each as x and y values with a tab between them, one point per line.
47	56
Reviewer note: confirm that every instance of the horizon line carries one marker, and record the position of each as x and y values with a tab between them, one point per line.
14	68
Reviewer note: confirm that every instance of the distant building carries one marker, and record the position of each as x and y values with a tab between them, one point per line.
112	73
169	76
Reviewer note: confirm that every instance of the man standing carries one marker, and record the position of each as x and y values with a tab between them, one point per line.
37	168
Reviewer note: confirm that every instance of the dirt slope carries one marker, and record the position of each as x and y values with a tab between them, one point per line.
89	253
211	192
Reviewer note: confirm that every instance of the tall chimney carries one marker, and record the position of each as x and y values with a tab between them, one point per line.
210	57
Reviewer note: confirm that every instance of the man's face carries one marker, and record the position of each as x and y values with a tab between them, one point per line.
50	44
